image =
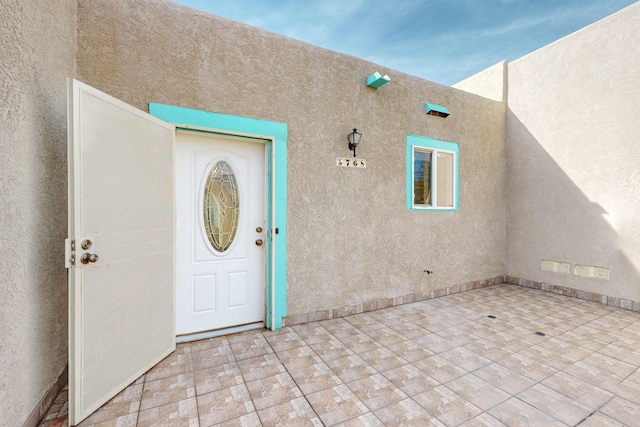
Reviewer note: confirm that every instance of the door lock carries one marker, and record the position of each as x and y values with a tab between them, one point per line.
86	244
259	242
87	258
259	229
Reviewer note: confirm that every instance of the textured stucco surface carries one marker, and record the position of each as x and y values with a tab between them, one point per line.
573	143
490	83
37	48
350	236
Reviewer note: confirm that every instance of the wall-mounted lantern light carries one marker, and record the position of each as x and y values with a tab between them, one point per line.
354	140
375	80
437	110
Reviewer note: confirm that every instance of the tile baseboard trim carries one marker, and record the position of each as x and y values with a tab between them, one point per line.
43	406
616	302
296	319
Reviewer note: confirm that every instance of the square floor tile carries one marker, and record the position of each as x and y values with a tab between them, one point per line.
386	336
410	379
260	367
284	339
176	363
406	413
223	405
167	390
121	421
435	343
598	419
293	413
258	346
382	359
516	413
298	357
315	377
439	368
527	366
466	359
213	356
622	410
248	420
351	368
376	391
339	327
555	404
478	391
488	349
273	390
360	343
410	350
331	349
483	420
124	403
183	413
312	333
446	405
209	343
579	390
217	377
409	329
337	404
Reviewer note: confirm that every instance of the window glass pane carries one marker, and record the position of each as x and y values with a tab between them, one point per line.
221	206
421	177
444	180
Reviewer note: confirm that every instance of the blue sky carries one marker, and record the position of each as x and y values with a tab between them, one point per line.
440	40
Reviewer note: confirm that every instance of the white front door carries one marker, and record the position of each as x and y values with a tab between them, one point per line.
221	232
120	246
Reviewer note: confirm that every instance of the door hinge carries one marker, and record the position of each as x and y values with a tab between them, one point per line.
69	253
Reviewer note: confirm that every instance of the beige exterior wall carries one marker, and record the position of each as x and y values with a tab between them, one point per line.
37	48
572	150
351	237
490	83
573	145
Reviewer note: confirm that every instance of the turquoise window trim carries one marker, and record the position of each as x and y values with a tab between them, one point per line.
414	141
276	134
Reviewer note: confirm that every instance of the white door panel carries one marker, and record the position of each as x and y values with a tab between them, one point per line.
121	198
219	288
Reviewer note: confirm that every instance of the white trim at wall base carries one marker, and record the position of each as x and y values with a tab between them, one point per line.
314	316
616	302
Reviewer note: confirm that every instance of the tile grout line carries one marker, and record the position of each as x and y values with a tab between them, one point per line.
294	380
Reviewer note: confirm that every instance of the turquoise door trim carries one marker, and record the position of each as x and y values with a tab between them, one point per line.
434	144
276	134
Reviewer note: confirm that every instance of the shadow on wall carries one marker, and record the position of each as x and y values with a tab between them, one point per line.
550	218
47	325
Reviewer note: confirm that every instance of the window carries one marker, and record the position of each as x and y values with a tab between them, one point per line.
221	206
432	174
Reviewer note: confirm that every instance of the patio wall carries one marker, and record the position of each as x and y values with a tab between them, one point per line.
573	156
351	237
37	53
573	146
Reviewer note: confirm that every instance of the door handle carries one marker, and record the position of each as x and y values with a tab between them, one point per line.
259	242
87	258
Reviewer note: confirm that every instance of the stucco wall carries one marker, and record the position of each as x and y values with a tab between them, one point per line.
37	48
350	236
490	83
573	144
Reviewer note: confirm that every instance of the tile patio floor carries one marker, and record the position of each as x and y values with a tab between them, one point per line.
439	362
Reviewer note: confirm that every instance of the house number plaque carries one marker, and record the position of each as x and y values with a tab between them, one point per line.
346	162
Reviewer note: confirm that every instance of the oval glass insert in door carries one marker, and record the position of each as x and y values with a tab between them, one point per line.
221	206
